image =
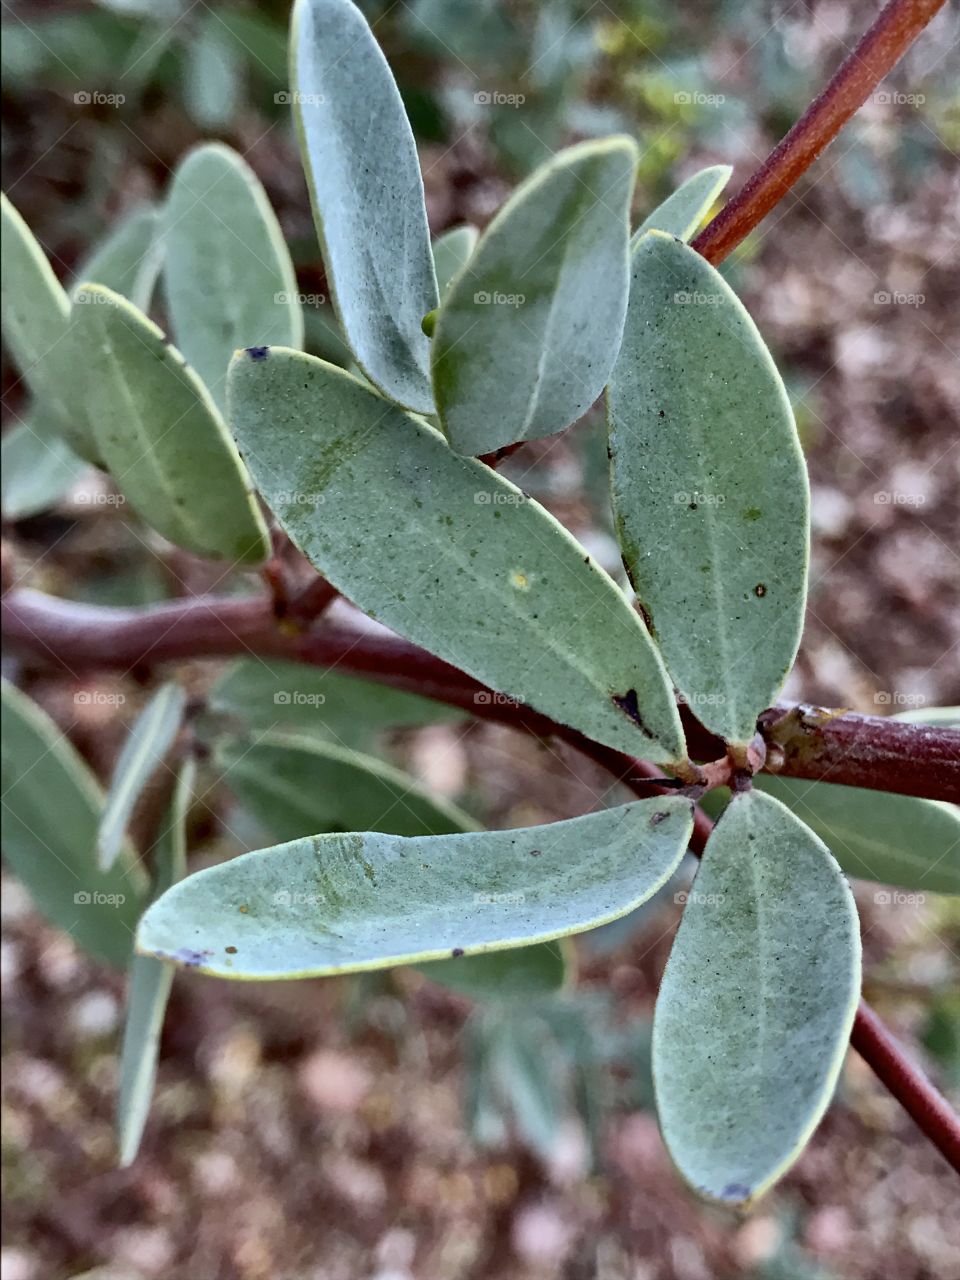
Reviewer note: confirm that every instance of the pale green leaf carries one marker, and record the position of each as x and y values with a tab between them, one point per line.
147	743
709	486
213	76
361	164
682	212
150	982
36	471
129	258
756	1004
877	835
947	716
528	333
447	553
298	786
160	434
344	903
451	253
349	711
503	975
52	805
227	273
35	313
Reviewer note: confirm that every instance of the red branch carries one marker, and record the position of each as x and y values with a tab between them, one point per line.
895	29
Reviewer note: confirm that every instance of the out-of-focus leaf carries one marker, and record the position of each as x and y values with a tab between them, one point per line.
756	1003
35	471
260	38
128	259
272	694
447	553
160	434
52	807
227	274
709	486
213	76
148	741
297	787
529	331
361	164
150	982
503	975
451	253
681	213
344	903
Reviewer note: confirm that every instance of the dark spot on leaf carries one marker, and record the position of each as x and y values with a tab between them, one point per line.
244	909
692	506
760	589
657	818
752	513
231	951
735	1191
627	703
535	853
258	353
457	951
190	958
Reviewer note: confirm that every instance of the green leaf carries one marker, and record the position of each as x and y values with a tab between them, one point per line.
451	253
362	170
523	1068
529	331
273	694
36	323
52	806
503	975
147	743
228	277
947	716
129	258
296	787
150	982
344	903
681	213
447	553
756	1004
213	76
37	470
709	486
877	835
161	436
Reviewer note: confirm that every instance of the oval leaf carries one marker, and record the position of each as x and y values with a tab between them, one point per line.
447	553
757	1002
451	253
681	213
877	835
528	332
149	740
343	903
503	975
36	328
361	164
128	260
228	277
52	805
296	787
709	486
161	436
150	982
36	471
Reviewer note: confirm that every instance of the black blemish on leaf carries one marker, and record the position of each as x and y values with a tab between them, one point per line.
658	817
692	505
760	589
231	951
627	703
191	959
535	853
457	951
258	353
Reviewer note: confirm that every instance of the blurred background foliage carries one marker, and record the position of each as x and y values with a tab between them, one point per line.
273	1105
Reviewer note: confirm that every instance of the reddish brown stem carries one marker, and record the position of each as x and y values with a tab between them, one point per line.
895	29
865	751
